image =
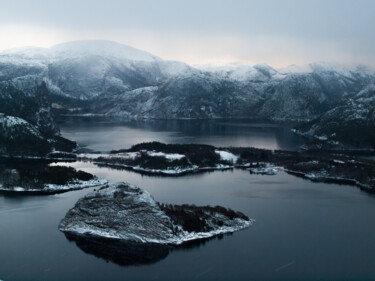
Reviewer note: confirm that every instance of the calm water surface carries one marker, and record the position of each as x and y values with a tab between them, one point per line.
104	134
303	230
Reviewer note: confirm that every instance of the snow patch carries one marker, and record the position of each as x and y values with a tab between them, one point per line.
172	156
227	156
52	188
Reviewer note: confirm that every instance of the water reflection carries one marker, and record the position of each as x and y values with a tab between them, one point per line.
100	134
128	253
119	252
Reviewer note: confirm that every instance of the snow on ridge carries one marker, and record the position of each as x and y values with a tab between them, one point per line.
11	121
340	68
241	71
176	68
295	69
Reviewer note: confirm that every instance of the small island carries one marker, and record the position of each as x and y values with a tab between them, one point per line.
124	212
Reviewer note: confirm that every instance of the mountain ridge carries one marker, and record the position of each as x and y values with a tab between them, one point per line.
88	77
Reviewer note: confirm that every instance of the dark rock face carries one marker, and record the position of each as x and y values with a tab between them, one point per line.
125	212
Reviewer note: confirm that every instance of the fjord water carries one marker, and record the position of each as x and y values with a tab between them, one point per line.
303	230
101	134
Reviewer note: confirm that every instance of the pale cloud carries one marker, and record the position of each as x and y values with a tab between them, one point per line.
21	35
277	32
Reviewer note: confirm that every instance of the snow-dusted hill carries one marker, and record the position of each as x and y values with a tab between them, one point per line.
21	138
350	122
27	124
27	97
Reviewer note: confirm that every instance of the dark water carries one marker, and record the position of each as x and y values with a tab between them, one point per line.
103	134
303	231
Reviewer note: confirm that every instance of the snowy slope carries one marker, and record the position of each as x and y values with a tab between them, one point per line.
115	79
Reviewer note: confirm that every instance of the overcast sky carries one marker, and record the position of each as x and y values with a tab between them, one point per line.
279	33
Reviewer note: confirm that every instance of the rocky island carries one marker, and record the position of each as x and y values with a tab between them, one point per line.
124	212
166	159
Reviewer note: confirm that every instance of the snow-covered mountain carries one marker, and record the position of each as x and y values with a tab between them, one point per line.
253	92
103	77
84	69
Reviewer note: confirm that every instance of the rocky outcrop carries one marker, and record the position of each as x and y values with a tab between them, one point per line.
127	213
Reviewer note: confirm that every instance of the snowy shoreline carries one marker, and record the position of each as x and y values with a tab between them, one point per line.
184	237
338	180
54	188
140	219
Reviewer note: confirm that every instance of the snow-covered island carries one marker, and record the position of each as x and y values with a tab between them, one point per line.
127	213
155	158
40	178
166	159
